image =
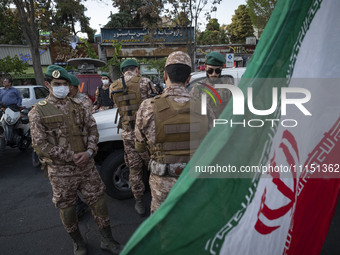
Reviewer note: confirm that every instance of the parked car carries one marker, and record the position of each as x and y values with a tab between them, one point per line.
32	94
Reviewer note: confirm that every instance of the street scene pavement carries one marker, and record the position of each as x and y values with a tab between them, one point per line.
30	224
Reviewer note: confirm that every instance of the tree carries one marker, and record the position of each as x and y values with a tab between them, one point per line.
260	12
57	16
68	13
213	25
113	64
193	9
10	32
12	65
137	13
157	64
182	20
213	34
120	19
27	10
241	26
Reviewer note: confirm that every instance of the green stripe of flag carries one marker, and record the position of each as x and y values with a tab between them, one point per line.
197	209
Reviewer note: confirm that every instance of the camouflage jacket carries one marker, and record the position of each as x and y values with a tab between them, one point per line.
62	154
224	94
85	100
147	90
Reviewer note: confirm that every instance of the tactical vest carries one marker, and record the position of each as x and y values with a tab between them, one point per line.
127	99
179	130
104	97
61	128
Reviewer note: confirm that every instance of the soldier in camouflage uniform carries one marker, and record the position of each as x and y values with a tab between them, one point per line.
103	100
214	62
163	126
82	207
64	136
75	93
128	92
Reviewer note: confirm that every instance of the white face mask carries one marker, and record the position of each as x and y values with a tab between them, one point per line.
61	91
105	82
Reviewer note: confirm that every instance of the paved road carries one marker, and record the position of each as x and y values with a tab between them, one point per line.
30	224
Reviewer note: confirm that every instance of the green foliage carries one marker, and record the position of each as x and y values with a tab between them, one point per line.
10	32
158	64
260	12
67	14
241	26
136	13
214	34
88	49
114	61
182	20
12	65
213	25
120	19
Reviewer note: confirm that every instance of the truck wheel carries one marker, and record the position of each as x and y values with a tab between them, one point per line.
35	160
115	175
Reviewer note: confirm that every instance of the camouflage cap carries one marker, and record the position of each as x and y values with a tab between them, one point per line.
128	62
178	57
74	80
57	72
215	59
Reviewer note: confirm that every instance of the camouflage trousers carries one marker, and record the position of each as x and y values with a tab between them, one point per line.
135	162
66	180
160	187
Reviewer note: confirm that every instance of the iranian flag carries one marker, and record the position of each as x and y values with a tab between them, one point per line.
273	211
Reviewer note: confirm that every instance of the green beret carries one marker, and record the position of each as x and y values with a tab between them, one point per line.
128	62
105	74
57	72
74	80
215	59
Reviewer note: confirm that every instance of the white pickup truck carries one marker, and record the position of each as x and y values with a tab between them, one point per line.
110	156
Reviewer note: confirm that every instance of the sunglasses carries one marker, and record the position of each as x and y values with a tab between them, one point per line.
217	71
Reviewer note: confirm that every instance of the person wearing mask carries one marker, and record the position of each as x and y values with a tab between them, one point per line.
214	62
170	127
103	100
75	93
128	93
64	136
81	206
10	95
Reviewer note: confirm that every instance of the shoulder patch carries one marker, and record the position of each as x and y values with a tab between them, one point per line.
43	102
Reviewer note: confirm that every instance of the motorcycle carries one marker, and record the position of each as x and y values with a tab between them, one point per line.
14	127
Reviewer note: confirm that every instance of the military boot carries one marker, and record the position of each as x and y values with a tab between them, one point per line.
79	246
139	206
108	243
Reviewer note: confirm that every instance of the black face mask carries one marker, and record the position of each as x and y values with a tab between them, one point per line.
217	70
